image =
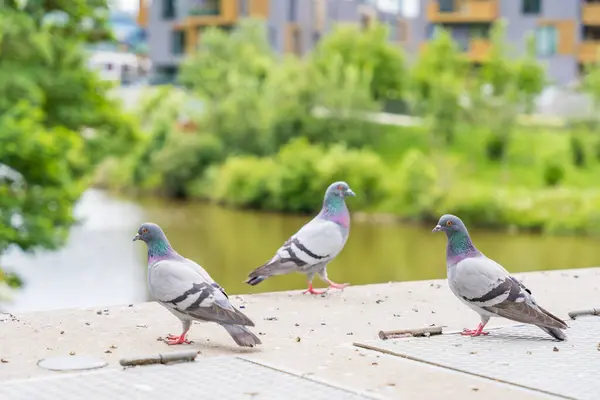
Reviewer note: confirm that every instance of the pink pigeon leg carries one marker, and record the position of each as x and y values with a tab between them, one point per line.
311	290
334	285
174	339
475	332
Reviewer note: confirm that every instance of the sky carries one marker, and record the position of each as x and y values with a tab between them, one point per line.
127	5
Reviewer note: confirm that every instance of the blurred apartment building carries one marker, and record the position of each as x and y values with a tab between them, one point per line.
566	32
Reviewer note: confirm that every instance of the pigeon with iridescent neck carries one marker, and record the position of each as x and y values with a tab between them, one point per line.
187	290
315	245
488	288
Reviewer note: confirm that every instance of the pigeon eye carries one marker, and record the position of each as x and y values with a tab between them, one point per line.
144	230
340	187
449	223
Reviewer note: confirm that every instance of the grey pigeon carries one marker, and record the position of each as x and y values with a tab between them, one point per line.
488	288
315	245
186	289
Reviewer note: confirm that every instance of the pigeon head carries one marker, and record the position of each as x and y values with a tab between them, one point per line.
339	189
149	232
450	224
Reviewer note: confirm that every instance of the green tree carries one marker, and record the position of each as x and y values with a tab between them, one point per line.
369	51
505	87
56	120
438	80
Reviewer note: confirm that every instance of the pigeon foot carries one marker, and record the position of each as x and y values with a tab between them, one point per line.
474	332
177	339
311	290
341	286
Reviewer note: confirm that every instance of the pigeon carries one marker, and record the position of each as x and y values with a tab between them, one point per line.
315	245
188	291
488	288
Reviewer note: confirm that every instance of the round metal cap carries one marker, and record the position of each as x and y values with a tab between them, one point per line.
71	363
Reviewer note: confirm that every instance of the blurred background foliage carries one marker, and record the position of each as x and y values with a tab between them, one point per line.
255	131
56	121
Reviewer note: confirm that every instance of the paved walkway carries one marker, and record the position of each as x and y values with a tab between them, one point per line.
311	336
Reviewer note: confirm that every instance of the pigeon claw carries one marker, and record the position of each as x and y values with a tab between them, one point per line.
176	339
179	340
311	290
341	286
474	332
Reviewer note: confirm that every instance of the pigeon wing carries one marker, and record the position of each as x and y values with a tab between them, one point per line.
484	283
177	286
317	242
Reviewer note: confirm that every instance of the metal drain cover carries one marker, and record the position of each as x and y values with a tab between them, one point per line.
228	378
71	363
521	355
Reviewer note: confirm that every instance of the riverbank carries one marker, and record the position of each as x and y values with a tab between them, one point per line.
311	336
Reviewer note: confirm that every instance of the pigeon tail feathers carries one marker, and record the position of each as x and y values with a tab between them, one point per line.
242	336
554	332
255	280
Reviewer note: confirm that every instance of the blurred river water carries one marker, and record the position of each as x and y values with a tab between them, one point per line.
101	266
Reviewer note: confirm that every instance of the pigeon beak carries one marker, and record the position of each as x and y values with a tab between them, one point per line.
437	228
136	237
349	192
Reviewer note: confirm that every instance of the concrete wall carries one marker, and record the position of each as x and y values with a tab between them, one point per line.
561	69
160	36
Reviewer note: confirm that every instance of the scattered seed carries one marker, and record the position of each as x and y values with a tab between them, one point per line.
298	338
415	310
397	315
270	318
113	347
87	323
296	324
374	363
528	352
473	352
323	323
141	326
242	306
131	305
72	353
555	349
378	301
475	389
62	332
349	333
108	351
261	333
3	361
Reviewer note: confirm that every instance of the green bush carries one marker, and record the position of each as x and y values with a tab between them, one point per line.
413	187
184	158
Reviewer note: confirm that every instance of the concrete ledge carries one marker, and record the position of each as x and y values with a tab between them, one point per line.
308	335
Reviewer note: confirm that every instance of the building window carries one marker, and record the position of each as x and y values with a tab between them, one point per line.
402	31
168	9
531	6
292	11
243	7
480	31
177	42
447	5
433	31
546	38
316	37
297	42
273	36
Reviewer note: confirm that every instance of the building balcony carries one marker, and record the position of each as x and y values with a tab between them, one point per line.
590	13
479	50
589	51
463	11
142	17
211	12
